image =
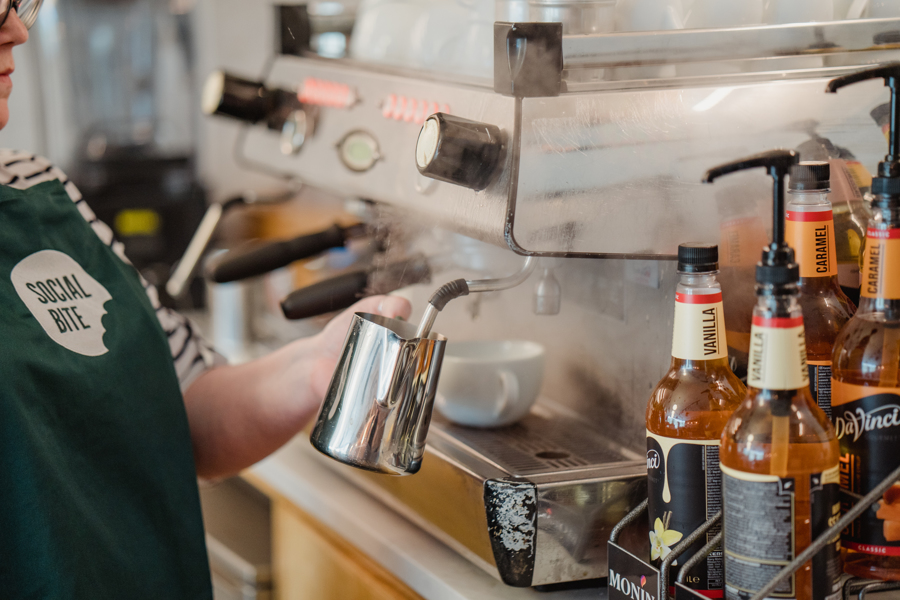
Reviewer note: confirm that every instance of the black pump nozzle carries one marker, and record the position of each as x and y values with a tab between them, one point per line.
777	265
886	186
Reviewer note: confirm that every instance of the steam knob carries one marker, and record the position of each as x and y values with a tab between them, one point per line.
252	102
227	95
458	151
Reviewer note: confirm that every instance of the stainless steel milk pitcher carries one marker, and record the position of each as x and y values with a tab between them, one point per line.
378	406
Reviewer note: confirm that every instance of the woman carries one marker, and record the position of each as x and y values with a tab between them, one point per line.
111	406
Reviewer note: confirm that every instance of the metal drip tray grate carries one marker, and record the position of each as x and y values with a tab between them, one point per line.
537	444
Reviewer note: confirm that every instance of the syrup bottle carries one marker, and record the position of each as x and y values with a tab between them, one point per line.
809	229
866	368
779	453
685	417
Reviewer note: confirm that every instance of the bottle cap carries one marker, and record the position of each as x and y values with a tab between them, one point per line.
697	257
810	175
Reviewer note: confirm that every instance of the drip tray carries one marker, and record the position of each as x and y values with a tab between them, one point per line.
532	503
545	442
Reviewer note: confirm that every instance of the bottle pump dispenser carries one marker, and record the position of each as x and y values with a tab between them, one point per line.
778	447
886	185
777	266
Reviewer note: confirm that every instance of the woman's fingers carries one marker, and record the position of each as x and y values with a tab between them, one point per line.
389	306
332	337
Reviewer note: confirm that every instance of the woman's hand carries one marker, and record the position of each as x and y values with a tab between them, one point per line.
240	414
331	340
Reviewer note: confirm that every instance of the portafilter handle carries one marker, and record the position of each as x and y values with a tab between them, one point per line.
462	287
187	266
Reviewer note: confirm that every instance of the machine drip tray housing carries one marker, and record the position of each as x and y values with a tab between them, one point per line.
532	503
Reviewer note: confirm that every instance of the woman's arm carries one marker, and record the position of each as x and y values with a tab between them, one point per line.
241	414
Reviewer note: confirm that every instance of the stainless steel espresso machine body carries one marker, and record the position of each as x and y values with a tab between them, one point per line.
589	146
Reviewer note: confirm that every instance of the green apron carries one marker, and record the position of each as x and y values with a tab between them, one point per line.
98	492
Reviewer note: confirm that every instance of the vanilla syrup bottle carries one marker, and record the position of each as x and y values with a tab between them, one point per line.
866	368
685	417
809	230
779	453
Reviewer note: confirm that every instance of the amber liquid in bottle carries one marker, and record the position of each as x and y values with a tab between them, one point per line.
695	397
780	432
867	355
685	416
809	229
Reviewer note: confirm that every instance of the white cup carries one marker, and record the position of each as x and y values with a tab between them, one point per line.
489	383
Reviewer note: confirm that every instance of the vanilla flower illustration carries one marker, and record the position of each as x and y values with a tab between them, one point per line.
662	540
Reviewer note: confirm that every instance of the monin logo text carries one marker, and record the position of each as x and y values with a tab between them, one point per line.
628	588
854	424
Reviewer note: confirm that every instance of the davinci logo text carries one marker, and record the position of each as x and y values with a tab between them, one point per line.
652	459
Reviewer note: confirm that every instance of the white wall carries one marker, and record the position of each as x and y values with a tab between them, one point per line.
233	35
25	128
237	36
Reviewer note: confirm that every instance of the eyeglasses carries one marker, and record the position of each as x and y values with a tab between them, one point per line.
26	9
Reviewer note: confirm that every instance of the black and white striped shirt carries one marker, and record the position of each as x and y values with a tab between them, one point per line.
191	354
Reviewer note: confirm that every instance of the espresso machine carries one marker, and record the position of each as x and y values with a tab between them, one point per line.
583	151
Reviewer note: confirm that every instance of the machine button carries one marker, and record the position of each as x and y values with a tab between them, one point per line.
458	150
359	151
320	92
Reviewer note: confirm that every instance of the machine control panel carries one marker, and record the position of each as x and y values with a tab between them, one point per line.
458	151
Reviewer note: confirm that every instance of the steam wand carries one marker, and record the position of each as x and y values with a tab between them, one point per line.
462	287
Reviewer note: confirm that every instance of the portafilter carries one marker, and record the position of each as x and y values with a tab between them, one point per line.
378	406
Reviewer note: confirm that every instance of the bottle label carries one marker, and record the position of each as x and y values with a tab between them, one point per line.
825	510
881	264
684	485
760	513
810	231
820	384
867	424
699	332
759	532
777	358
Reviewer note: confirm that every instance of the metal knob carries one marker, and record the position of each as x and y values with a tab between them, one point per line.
242	99
297	126
252	102
458	151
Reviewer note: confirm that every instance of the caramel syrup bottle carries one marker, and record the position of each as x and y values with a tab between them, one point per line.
685	417
867	399
779	453
809	229
866	367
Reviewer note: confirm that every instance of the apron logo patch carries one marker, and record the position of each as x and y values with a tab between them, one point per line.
65	300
